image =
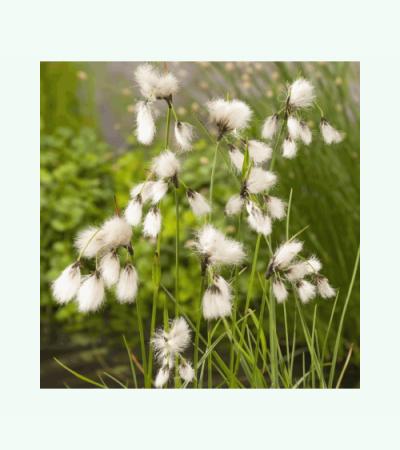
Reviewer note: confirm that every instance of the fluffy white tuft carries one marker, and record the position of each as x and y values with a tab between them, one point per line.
178	336
276	207
306	291
234	205
109	268
289	148
217	300
261	223
154	85
162	377
89	241
66	286
325	290
301	94
116	231
301	269
166	165
133	212
279	290
184	135
237	158
260	180
158	190
305	133
286	252
145	126
91	293
127	286
143	191
198	203
152	223
217	248
259	152
229	115
294	127
270	127
186	371
330	134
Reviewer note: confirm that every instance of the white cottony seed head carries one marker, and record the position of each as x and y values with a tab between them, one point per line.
66	286
116	231
109	268
133	212
158	190
306	291
294	127
303	268
301	94
276	207
325	290
217	300
330	134
229	115
166	165
178	337
127	286
270	127
217	248
153	84
144	190
237	158
279	290
91	293
162	377
152	223
198	203
89	241
259	152
260	180
145	126
259	222
184	135
289	148
305	133
286	252
186	372
234	205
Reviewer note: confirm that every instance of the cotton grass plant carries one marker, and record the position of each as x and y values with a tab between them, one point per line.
259	353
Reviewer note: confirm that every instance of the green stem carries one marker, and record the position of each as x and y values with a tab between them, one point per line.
214	165
177	251
209	357
272	340
141	336
197	331
168	126
275	150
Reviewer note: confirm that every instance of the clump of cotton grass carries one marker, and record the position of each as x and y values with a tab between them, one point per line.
198	203
168	346
166	165
329	133
66	286
127	286
270	127
184	133
89	241
145	125
300	94
152	223
258	221
155	85
116	232
91	293
228	115
286	268
216	249
109	268
217	299
260	180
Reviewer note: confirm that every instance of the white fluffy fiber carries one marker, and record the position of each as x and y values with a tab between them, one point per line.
289	148
216	301
91	293
184	133
198	203
234	205
66	286
258	221
259	152
301	94
145	126
109	268
260	180
270	127
166	165
127	286
152	223
229	115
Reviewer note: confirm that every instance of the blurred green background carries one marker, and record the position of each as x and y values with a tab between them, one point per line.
89	153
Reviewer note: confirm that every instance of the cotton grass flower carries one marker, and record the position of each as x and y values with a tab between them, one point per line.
158	190
127	286
152	223
259	222
234	205
66	286
228	115
294	127
270	127
166	165
162	377
109	268
280	291
237	158
116	231
133	212
330	134
217	249
167	344
276	207
216	301
260	180
306	291
186	371
301	94
145	126
259	152
143	190
284	255
184	135
289	148
325	290
91	293
154	85
89	241
198	203
305	133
